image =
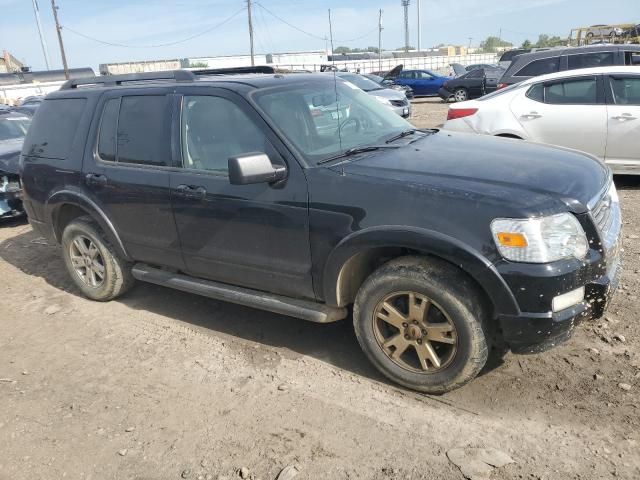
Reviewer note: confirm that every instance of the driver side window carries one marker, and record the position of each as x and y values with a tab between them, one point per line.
214	129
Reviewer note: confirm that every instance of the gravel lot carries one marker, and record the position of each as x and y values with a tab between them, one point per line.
165	385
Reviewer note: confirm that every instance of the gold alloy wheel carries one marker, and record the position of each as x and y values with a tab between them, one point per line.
415	332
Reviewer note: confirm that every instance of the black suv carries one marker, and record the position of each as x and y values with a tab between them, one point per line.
302	195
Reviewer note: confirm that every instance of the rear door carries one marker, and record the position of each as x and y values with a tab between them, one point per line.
255	235
127	173
623	112
570	112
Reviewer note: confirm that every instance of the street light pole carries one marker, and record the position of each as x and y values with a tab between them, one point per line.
59	30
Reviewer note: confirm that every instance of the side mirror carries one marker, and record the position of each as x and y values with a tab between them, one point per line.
254	168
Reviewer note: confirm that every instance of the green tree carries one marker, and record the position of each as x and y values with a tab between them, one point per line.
491	44
342	49
527	44
198	65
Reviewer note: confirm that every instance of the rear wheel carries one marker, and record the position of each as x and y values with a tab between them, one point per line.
94	265
419	321
461	95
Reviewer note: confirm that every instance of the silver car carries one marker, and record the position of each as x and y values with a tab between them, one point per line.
396	100
603	31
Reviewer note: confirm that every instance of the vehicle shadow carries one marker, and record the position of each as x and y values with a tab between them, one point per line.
627	182
333	343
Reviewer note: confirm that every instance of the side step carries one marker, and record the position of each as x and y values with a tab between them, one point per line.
304	309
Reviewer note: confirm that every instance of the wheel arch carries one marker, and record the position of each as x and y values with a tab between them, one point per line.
65	205
359	254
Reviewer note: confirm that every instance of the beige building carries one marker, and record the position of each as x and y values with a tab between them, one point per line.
9	63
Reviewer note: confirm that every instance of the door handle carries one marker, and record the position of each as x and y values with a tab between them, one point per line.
531	115
96	179
624	116
187	191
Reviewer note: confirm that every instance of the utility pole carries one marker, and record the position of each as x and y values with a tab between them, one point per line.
36	12
380	41
331	36
469	48
59	30
250	31
405	5
419	29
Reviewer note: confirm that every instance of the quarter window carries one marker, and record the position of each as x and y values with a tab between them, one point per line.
632	58
536	92
572	92
143	135
214	129
108	124
540	67
626	90
595	59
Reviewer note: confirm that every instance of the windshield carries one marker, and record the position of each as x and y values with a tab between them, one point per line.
12	127
325	118
361	82
374	78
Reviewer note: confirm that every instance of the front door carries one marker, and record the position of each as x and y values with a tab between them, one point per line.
569	113
255	236
623	112
127	173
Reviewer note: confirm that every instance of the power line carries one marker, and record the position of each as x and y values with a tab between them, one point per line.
227	20
287	23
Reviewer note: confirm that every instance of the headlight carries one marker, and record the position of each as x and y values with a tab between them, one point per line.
382	100
540	240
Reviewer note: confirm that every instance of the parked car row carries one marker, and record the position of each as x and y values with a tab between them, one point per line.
13	128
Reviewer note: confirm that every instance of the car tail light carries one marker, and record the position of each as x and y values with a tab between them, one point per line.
501	85
460	112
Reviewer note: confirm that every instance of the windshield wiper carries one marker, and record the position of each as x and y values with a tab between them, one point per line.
402	134
355	151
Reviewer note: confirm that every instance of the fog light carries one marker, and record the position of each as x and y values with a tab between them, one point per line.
568	299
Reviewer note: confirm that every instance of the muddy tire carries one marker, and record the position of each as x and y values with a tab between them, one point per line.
93	263
420	322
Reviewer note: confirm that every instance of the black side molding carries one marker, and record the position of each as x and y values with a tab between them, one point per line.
304	309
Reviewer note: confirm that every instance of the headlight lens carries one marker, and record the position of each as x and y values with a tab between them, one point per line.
540	240
382	100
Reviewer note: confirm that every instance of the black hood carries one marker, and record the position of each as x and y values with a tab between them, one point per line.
527	176
9	155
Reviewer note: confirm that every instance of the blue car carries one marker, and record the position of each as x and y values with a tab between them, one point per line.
422	82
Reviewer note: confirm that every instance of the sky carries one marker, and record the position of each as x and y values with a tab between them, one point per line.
138	26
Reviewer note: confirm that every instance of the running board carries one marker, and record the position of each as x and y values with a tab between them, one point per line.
304	309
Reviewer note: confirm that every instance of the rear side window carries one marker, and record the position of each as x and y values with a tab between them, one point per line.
582	91
143	135
508	56
632	58
539	67
477	73
54	128
587	60
626	90
536	92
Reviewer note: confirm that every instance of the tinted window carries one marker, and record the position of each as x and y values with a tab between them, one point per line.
108	123
423	75
508	56
536	92
539	67
143	130
214	129
586	60
632	58
406	75
626	90
478	73
54	128
581	92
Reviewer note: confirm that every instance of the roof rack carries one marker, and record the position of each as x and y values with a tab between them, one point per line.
116	80
235	70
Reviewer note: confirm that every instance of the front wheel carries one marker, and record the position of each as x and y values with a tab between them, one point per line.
461	95
420	322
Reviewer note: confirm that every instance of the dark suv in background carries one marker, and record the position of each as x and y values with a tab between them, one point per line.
528	65
302	195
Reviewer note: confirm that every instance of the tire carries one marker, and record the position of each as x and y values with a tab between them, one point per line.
452	297
461	95
106	275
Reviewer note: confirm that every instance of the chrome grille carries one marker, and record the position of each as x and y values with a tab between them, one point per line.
606	216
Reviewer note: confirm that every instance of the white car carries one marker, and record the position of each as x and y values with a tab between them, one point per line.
595	110
603	31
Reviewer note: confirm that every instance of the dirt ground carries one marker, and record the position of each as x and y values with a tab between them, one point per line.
165	385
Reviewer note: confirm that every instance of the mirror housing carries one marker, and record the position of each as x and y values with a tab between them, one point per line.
254	168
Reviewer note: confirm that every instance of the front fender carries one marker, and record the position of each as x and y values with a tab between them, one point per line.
78	199
426	242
